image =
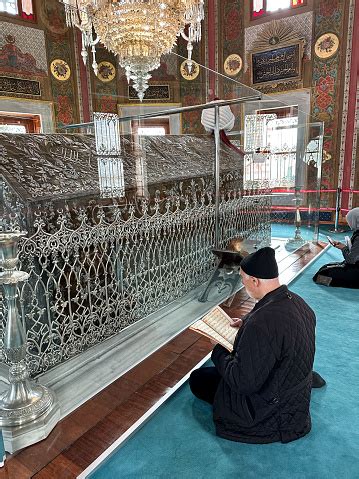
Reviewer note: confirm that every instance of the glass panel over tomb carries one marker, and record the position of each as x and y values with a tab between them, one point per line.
121	223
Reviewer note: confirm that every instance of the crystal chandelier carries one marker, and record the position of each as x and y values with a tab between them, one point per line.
137	31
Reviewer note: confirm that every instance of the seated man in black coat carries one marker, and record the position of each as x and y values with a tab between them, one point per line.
261	391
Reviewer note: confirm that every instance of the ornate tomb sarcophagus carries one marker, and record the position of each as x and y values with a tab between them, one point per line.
101	262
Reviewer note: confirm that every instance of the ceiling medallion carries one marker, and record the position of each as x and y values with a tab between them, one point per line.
106	72
326	46
233	65
139	32
189	73
60	69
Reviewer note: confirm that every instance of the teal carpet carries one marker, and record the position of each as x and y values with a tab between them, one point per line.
285	230
179	441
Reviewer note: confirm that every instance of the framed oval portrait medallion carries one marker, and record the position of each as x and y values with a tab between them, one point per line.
233	65
189	75
327	45
60	69
106	72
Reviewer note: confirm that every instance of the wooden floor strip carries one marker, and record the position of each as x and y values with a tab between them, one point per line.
87	432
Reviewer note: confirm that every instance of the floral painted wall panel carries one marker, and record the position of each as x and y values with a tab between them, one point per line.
104	85
60	40
231	42
327	86
231	25
192	92
168	70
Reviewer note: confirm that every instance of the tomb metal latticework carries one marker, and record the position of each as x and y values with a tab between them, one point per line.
108	267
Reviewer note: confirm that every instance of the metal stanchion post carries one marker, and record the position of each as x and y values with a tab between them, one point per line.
217	176
337	211
297	240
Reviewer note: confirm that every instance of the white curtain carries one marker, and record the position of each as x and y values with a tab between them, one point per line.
26	6
258	5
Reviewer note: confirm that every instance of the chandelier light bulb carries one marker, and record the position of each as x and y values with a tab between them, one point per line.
138	32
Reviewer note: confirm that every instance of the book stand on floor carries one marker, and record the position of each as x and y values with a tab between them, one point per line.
226	274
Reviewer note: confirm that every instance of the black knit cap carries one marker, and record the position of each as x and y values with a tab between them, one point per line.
261	264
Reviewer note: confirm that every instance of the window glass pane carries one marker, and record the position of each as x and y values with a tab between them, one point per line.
282	134
274	5
257	8
9	7
282	141
270	146
26	6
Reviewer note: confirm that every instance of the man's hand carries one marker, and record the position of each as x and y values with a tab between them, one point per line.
236	323
339	245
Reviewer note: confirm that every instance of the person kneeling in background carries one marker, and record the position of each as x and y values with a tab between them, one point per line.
346	273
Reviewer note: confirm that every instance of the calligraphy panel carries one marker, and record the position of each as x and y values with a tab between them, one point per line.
19	86
279	64
154	92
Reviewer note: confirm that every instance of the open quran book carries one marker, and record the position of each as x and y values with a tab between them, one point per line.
216	325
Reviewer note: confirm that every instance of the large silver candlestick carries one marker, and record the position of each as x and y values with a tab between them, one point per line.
297	241
24	401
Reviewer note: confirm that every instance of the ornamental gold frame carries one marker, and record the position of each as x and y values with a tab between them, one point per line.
301	44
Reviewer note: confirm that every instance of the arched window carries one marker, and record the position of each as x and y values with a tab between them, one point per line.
20	8
261	8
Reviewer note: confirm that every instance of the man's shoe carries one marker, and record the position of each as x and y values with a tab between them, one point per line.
317	380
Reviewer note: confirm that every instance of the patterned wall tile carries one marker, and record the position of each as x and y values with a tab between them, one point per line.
171	61
27	40
59	42
327	89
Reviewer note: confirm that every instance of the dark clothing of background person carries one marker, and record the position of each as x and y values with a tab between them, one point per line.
261	391
344	274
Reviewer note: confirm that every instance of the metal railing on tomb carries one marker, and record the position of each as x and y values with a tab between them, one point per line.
107	267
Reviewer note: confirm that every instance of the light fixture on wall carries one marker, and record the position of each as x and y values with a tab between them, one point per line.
137	31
